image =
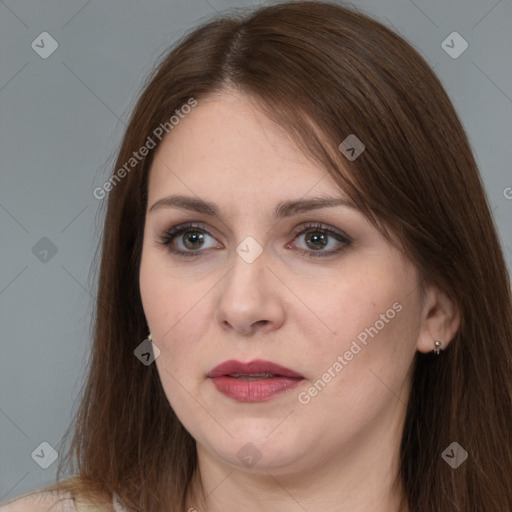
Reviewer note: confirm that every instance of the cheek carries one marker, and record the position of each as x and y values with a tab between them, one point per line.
175	314
165	298
345	308
353	382
371	321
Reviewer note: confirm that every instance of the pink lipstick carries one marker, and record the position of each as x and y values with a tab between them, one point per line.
255	381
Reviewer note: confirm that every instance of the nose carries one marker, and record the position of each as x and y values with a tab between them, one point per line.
249	300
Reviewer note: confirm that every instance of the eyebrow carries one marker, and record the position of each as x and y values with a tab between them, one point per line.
282	210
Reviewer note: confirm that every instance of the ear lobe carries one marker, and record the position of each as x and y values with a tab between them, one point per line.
440	320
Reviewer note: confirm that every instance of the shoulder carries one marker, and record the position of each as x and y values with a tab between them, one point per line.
45	501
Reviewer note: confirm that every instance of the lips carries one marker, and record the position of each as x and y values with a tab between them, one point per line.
255	381
258	368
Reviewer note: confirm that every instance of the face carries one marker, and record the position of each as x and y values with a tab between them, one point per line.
317	291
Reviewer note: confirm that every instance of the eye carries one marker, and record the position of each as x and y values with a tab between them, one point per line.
318	237
191	240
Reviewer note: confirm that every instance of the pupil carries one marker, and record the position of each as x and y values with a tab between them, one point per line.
317	238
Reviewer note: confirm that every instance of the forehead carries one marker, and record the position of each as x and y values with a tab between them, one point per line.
227	147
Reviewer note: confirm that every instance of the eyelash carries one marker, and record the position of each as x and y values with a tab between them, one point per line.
168	236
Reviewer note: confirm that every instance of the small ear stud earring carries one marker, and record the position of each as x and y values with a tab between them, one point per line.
437	349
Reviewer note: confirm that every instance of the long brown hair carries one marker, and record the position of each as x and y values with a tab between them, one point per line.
323	72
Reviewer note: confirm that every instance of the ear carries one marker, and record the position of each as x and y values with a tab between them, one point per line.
440	320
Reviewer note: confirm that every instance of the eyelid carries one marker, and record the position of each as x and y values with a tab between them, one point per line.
320	226
170	234
343	239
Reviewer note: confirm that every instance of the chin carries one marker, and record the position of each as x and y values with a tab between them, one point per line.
258	452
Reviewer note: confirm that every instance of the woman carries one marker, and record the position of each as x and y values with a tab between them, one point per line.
303	304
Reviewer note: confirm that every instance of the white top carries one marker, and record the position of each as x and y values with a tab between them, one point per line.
116	503
47	501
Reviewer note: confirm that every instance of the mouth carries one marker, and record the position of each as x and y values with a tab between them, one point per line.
255	381
257	369
255	376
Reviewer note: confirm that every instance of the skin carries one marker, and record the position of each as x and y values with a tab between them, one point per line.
339	451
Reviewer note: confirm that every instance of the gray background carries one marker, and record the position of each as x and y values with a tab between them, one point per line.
61	121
